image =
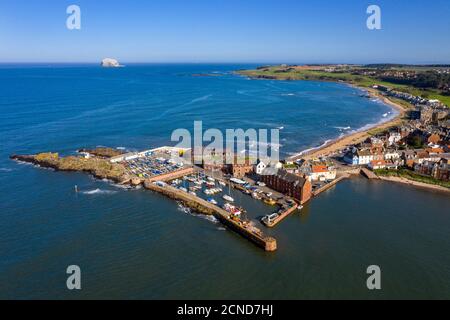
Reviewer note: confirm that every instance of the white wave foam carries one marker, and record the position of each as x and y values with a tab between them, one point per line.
384	118
343	128
203	98
6	169
188	211
312	149
122	186
98	191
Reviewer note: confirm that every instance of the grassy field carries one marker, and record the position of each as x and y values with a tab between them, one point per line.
411	175
358	80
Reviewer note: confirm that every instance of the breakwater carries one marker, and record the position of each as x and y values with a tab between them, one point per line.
280	217
331	184
199	205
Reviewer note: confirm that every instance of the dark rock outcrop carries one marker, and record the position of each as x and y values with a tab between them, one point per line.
103	152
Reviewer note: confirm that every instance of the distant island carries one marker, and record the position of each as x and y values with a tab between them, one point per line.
110	63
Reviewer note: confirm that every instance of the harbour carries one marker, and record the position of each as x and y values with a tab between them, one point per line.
165	171
237	225
136	243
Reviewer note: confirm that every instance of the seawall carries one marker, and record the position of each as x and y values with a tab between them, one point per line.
202	206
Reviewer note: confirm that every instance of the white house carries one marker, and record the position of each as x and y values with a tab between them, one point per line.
364	157
259	167
394	137
321	173
382	164
391	155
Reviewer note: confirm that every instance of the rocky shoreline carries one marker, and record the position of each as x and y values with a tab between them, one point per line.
100	168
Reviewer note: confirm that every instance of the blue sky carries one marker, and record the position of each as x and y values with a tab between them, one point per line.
314	31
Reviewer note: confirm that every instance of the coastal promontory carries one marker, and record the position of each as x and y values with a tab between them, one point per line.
99	167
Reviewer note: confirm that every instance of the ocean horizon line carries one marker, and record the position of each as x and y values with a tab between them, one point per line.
417	63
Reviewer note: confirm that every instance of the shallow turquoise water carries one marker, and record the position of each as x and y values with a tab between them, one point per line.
136	244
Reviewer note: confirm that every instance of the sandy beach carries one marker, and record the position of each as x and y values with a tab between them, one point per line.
356	137
415	183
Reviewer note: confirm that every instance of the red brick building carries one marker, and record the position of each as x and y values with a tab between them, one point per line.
240	167
240	170
295	186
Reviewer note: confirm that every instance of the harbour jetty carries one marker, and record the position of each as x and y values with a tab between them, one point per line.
331	184
368	174
270	223
199	205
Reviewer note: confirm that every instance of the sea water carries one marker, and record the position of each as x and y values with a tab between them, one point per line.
137	244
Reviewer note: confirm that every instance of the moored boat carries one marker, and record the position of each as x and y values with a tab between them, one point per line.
212	201
256	196
228	198
270	201
232	209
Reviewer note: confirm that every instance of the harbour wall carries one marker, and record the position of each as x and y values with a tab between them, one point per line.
204	207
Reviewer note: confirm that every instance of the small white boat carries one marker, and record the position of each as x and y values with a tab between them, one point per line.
270	217
256	196
192	193
211	179
183	189
223	184
212	201
228	198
